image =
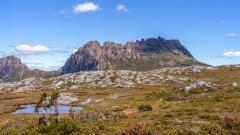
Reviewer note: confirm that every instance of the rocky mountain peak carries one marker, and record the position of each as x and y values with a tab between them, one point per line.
10	60
144	54
92	45
11	68
158	45
91	48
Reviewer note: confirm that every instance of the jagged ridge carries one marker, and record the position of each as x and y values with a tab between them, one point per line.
149	54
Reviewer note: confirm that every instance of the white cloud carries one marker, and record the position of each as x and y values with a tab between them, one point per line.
232	54
232	34
32	49
85	7
121	8
45	68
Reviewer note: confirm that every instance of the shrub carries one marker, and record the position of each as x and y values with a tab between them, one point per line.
210	130
138	129
144	108
209	117
184	132
196	90
113	79
60	128
219	98
231	123
96	115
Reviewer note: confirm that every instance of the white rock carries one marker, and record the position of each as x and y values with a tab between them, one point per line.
234	84
86	102
196	84
103	79
67	98
114	97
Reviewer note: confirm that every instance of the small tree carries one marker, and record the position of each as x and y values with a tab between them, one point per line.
54	102
46	103
42	103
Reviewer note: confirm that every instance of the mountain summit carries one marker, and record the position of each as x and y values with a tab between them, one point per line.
142	55
12	69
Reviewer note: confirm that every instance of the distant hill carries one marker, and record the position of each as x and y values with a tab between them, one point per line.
143	55
12	69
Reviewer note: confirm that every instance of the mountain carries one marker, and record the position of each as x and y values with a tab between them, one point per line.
12	69
143	55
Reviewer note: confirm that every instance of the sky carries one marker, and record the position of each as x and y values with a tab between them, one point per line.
44	33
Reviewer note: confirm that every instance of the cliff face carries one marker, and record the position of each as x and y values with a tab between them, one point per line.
141	55
11	68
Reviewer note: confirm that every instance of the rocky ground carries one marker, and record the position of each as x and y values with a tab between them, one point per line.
110	78
184	100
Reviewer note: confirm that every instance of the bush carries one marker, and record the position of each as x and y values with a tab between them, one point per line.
231	123
209	117
113	79
96	115
196	90
144	108
62	128
210	130
185	132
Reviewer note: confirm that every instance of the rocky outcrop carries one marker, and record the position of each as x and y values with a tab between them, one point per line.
196	84
109	79
67	98
11	68
141	55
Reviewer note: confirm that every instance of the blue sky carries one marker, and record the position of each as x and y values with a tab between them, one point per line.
44	33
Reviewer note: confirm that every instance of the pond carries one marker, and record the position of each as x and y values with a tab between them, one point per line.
31	109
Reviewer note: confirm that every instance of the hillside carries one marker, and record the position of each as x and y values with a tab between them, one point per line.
198	100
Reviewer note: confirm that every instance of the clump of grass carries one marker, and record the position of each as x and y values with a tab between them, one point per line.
219	98
231	123
138	129
152	96
113	78
209	117
144	108
184	132
97	81
196	90
210	130
95	115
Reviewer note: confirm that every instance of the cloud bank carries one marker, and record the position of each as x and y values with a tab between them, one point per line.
232	54
32	49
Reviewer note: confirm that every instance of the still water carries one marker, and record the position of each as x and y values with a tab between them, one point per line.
31	109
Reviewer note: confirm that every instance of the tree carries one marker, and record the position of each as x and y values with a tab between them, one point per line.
54	102
46	102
